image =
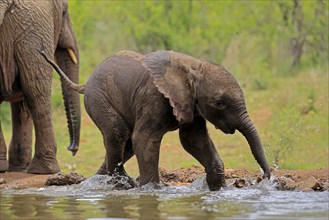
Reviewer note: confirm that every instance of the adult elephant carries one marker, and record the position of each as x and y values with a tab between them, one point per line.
134	100
25	81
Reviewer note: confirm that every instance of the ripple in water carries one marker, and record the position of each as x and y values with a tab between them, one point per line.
258	201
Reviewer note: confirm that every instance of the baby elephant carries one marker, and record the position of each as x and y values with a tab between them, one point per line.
135	99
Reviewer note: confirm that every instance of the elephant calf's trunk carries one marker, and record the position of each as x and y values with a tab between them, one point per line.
250	133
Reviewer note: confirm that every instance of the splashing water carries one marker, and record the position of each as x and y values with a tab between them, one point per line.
102	197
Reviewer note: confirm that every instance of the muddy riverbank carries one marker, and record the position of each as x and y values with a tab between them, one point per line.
297	180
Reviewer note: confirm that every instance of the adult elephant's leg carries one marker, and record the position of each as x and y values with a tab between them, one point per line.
20	148
44	160
3	153
36	78
196	141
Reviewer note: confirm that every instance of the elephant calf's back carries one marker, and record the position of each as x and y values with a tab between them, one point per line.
119	82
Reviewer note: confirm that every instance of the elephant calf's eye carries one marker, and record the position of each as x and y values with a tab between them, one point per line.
220	104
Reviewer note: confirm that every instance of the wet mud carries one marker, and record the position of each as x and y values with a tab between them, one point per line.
293	180
61	179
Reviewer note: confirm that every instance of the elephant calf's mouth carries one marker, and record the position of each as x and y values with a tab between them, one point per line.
226	130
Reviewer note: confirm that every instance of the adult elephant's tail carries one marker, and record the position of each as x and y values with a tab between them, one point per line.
80	88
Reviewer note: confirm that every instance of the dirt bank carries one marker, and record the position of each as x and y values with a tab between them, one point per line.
301	180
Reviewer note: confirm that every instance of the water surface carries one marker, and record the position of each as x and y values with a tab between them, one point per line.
94	199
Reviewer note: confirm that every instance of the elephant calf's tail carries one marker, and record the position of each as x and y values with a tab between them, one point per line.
77	87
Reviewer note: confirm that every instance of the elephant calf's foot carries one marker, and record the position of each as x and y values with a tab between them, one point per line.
216	179
3	166
45	166
120	171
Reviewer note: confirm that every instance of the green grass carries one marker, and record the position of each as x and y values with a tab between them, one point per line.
291	115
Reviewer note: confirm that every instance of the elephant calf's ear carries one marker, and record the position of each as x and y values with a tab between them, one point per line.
172	82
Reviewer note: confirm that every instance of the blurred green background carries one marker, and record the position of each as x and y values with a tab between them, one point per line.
277	50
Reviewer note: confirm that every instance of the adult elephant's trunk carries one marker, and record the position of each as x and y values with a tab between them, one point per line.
70	66
250	133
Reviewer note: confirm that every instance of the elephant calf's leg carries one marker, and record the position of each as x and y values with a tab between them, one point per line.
3	153
114	129
128	153
115	137
20	148
102	170
196	141
146	146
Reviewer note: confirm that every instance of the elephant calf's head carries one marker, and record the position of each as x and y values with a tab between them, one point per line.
197	86
219	97
191	84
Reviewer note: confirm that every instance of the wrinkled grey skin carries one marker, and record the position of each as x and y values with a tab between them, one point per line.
25	81
134	100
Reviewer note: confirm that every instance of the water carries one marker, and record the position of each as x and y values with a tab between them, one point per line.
94	199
